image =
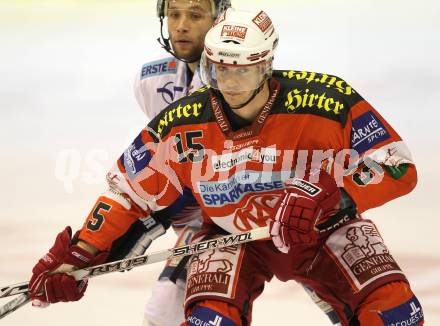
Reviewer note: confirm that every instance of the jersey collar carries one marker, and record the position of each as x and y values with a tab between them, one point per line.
248	131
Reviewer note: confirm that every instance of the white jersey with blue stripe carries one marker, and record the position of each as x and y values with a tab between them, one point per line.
161	81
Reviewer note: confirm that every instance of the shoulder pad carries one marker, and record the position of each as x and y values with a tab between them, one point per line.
192	109
315	93
201	89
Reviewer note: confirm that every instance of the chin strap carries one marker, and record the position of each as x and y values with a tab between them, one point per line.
165	43
254	94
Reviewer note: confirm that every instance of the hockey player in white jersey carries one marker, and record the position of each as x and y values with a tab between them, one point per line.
174	73
166	77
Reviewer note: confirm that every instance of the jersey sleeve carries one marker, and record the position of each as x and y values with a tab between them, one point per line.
380	167
140	182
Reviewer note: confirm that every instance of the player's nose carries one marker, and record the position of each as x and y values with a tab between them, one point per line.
183	24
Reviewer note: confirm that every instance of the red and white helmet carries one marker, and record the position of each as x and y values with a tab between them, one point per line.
237	40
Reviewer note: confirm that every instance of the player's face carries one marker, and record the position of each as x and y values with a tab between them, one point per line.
188	23
237	84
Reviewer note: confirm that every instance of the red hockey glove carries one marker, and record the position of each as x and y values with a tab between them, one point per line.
303	206
50	283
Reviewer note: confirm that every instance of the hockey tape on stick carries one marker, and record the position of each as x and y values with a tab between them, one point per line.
129	263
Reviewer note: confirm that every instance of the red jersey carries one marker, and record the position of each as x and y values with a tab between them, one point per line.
310	120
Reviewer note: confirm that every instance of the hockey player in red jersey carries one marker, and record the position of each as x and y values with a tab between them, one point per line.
302	152
164	78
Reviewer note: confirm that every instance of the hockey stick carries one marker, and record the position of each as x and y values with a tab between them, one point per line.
129	263
13	289
14	304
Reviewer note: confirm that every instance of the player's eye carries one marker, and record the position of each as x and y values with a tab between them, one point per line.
173	14
195	15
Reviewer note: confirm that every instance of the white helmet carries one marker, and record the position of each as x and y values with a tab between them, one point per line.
240	42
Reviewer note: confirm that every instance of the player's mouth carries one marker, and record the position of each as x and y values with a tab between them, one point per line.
232	94
183	43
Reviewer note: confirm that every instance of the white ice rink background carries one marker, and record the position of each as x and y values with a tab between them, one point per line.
68	110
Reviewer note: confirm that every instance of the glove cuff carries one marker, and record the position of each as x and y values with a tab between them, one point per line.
78	257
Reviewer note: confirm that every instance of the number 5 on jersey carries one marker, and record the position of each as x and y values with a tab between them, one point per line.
95	223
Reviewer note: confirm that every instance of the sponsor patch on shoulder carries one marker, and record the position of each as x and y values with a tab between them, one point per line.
159	67
366	131
136	157
408	313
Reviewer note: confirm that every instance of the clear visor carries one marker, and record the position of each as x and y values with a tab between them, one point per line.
232	78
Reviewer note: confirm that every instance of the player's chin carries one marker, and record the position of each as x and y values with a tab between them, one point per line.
235	98
234	102
190	55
